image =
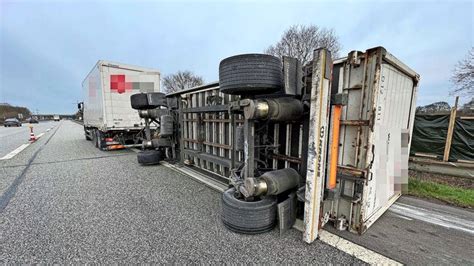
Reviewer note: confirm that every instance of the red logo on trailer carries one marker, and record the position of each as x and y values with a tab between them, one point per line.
118	84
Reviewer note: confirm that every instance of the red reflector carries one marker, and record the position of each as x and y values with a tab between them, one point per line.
109	139
115	147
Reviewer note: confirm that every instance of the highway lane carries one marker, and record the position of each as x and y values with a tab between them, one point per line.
64	201
13	137
420	232
75	203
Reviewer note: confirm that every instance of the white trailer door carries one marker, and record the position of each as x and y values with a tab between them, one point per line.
394	104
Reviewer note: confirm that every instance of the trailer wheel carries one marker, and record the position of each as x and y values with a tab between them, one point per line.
149	157
248	217
94	137
100	141
87	135
250	74
150	100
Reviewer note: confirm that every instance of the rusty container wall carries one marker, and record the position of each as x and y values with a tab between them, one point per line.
375	135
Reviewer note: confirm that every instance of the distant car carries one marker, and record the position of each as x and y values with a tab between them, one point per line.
32	120
12	122
56	118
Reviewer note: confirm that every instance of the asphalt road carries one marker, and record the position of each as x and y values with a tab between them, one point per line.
415	231
63	200
13	137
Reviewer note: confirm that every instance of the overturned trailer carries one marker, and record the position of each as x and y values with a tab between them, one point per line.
325	143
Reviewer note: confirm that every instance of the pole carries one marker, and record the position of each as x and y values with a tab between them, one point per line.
449	137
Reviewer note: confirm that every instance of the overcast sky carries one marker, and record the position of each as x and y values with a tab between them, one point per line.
47	48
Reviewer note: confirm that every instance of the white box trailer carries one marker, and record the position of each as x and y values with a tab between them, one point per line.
348	141
108	117
374	137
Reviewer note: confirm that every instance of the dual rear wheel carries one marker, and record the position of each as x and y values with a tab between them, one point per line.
248	217
248	75
97	138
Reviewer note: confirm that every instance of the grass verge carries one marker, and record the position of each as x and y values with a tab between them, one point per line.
458	196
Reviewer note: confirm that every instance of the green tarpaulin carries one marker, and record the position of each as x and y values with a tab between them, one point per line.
429	136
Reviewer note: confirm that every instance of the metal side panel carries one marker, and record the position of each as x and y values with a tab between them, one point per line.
318	131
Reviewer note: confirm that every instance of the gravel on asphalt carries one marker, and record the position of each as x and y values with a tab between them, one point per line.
79	204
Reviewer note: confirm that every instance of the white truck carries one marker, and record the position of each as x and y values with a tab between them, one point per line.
109	120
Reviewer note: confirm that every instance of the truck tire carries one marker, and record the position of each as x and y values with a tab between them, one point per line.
150	100
139	101
94	137
250	74
100	140
248	217
87	135
149	157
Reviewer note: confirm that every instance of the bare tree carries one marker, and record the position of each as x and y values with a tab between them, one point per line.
299	41
180	81
463	75
434	108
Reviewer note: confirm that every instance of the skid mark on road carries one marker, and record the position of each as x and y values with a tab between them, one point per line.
70	160
11	191
433	217
84	159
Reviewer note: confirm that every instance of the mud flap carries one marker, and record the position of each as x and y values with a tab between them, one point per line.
287	213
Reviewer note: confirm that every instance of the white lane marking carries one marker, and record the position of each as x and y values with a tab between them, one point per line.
360	252
22	147
433	217
15	152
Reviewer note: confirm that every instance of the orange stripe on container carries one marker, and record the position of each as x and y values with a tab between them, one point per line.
334	146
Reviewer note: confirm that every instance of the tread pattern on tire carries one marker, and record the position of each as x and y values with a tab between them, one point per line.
250	74
144	101
101	145
248	217
149	157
